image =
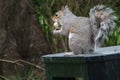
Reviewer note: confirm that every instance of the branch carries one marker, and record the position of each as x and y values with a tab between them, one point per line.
10	61
32	64
23	61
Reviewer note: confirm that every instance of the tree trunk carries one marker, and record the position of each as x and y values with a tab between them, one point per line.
21	36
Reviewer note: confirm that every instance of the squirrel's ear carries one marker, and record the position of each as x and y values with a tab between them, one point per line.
66	7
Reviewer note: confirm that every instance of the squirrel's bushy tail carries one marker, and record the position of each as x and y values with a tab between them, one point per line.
102	22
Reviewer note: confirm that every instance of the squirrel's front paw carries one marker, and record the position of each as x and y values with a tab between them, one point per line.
56	31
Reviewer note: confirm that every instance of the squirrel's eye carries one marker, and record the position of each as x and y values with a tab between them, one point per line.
56	15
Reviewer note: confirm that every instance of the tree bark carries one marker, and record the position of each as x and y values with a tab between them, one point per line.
21	36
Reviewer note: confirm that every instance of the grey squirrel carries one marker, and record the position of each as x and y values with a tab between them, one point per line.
84	33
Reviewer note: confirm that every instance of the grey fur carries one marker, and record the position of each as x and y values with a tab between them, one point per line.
108	22
84	33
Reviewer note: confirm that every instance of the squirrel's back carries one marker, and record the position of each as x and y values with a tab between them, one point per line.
80	36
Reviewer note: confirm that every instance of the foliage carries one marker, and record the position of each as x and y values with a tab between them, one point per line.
29	76
114	37
46	8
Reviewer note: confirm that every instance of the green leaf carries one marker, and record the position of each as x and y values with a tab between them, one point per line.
118	41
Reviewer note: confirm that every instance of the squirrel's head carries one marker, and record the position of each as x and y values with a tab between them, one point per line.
59	14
